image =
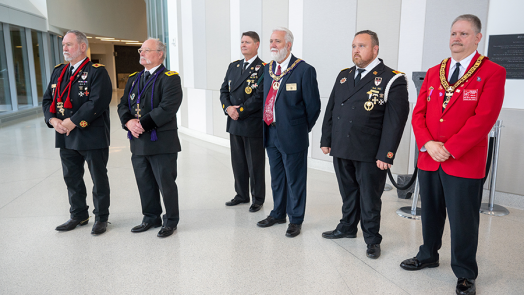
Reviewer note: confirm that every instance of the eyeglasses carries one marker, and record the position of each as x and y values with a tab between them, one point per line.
146	50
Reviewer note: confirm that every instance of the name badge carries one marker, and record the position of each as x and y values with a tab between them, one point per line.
470	95
291	87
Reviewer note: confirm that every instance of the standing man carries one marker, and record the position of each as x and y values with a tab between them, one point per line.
76	105
148	112
243	106
291	108
363	124
459	102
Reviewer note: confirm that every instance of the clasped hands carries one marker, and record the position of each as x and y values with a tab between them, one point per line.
381	165
62	126
232	112
135	127
437	151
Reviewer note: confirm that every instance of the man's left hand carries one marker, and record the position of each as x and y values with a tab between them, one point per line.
69	125
383	165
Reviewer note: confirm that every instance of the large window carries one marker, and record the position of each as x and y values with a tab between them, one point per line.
38	54
21	66
5	94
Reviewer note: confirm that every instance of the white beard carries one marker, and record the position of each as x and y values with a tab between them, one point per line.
71	55
279	55
148	62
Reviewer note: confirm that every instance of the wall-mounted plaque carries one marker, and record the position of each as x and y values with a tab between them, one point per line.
508	51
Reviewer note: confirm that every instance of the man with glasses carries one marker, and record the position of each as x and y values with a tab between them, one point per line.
243	106
148	112
76	105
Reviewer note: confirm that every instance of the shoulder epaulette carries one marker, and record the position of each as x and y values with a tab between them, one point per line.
264	63
133	74
58	65
398	72
98	65
344	69
235	61
171	73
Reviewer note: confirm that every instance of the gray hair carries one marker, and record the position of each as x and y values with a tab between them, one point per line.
288	37
160	46
80	37
472	19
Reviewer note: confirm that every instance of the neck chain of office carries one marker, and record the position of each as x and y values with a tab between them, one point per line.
277	78
444	81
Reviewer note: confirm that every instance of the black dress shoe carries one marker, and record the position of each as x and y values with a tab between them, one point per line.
99	227
414	264
144	226
71	224
235	202
373	251
255	208
270	221
466	287
336	234
166	231
293	230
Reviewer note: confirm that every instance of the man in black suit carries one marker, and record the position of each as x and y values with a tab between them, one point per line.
291	108
363	124
76	105
148	112
243	106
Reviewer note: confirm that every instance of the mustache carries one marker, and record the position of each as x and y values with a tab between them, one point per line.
456	43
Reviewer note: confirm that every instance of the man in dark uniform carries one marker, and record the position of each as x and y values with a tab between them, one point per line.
363	124
243	106
76	105
148	112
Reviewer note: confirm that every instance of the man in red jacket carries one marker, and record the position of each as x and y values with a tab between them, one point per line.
459	102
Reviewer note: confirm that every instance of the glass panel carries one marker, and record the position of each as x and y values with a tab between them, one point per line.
21	63
60	50
5	94
52	46
38	54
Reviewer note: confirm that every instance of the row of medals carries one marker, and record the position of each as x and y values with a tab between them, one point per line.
251	84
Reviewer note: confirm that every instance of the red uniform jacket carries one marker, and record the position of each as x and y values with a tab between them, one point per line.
464	125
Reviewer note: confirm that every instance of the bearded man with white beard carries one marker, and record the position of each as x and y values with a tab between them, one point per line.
76	105
147	111
291	108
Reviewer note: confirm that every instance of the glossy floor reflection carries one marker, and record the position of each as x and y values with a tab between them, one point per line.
216	249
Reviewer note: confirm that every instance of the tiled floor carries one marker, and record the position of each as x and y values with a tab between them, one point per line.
216	250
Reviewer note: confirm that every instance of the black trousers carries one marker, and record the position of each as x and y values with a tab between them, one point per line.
361	185
73	170
248	159
288	180
462	198
156	174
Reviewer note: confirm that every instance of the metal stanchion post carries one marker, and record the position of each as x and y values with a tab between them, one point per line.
490	208
411	212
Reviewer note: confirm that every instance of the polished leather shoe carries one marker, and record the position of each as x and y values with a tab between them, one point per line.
415	264
466	287
235	202
144	226
373	251
293	230
71	224
336	234
99	227
270	221
255	208
166	232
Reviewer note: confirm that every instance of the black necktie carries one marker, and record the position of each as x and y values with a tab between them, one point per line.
359	75
71	71
244	66
455	76
146	76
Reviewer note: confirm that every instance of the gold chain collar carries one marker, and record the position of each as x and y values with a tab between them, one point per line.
444	80
277	78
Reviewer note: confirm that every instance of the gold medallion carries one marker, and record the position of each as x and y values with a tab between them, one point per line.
248	90
276	85
368	106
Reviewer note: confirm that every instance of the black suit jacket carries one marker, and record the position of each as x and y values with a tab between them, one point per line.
233	93
90	98
354	133
161	116
297	105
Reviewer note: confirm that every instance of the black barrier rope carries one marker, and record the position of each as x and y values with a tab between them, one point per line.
414	177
